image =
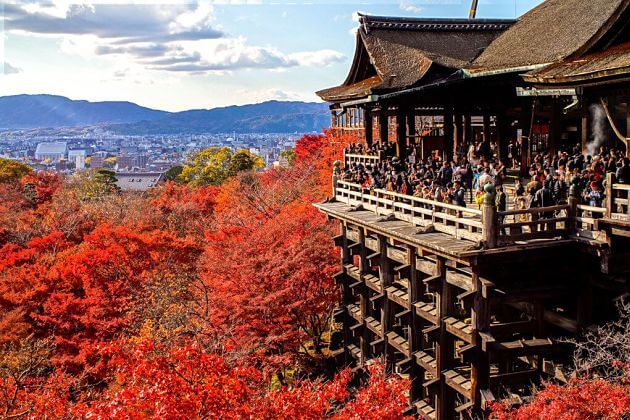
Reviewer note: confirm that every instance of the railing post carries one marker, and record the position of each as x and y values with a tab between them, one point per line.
574	200
610	194
335	177
489	217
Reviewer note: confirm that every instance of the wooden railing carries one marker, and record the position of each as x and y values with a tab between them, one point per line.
460	222
586	216
534	223
618	199
350	159
485	225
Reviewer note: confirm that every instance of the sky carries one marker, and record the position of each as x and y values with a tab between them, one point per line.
189	55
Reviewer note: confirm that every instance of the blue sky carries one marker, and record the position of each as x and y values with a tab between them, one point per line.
187	55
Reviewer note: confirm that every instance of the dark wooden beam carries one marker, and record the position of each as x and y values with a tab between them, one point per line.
369	127
449	140
383	126
401	134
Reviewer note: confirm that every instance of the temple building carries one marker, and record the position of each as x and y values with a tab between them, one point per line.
473	304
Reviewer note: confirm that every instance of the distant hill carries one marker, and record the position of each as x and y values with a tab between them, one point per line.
48	111
266	117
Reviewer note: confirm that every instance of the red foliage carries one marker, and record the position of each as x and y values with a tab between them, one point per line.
270	284
181	304
154	382
40	187
580	399
83	293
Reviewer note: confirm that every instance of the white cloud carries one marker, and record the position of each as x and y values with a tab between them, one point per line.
409	6
10	69
262	95
177	38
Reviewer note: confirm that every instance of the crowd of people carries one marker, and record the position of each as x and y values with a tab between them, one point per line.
460	181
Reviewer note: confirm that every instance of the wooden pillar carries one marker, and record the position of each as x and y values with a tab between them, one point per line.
584	132
610	197
369	127
401	134
459	133
445	402
468	131
383	125
346	258
411	128
449	141
585	301
555	127
364	265
527	129
486	128
503	137
628	125
386	274
480	372
416	374
489	218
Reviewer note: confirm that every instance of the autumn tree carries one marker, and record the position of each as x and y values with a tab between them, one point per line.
12	170
39	188
212	166
83	295
269	286
194	383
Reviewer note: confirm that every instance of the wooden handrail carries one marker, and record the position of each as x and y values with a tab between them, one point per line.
625	187
593	209
473	211
534	210
356	155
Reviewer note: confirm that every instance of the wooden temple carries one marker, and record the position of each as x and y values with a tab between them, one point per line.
473	304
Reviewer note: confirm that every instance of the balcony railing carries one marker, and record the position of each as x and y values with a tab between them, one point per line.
349	159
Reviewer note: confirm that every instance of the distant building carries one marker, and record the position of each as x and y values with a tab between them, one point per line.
138	181
141	161
52	151
97	162
125	162
78	157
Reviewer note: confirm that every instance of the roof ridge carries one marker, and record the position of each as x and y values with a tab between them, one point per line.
432	24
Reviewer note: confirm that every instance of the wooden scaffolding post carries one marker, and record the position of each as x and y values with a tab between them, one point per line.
364	340
346	258
445	350
386	274
480	373
416	374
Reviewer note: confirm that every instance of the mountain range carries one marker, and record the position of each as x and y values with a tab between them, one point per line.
50	111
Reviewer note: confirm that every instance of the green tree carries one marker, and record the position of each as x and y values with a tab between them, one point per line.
93	185
289	155
12	171
212	166
174	173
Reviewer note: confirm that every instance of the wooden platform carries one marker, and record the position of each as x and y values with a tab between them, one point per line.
439	243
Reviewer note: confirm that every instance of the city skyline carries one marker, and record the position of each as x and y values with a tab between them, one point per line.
195	55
